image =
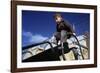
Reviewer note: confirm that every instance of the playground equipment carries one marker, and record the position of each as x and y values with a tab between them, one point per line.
53	52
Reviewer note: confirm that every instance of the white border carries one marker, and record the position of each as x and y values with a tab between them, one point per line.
55	63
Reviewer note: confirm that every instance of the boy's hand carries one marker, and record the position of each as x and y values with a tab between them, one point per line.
74	33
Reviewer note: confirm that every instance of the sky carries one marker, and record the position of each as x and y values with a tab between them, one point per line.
38	26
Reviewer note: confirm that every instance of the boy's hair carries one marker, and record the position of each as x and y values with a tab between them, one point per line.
57	14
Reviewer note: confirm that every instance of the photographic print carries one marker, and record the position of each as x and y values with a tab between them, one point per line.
50	36
32	33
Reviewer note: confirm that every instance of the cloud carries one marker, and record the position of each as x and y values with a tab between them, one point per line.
29	38
27	34
37	38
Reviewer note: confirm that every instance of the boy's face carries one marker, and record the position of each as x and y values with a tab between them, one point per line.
58	19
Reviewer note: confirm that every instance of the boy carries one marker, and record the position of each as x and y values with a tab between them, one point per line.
63	29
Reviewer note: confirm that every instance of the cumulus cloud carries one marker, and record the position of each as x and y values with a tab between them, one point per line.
37	38
33	38
27	34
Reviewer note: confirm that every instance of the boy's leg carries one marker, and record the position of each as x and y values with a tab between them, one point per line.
57	36
64	43
63	36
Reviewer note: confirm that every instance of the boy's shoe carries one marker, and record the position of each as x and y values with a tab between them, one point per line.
66	48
